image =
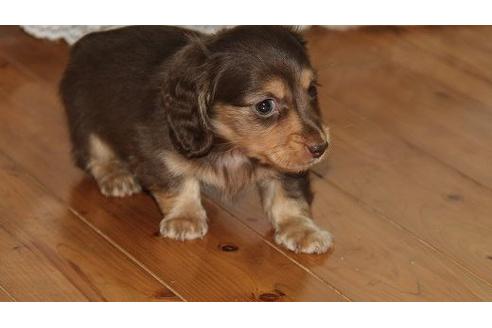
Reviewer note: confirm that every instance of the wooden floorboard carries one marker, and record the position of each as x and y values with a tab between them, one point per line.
454	128
373	259
462	50
5	296
407	190
420	58
49	254
422	163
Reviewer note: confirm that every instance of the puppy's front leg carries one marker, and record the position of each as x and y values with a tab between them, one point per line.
184	216
286	201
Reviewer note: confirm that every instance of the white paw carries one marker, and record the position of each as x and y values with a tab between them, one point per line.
119	185
304	237
183	228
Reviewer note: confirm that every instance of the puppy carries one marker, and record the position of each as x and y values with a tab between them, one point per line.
170	110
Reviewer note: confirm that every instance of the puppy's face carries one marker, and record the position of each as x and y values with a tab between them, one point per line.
266	103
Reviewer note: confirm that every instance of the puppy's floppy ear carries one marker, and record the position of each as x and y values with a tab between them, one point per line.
186	97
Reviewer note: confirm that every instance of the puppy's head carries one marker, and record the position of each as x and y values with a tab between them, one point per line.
260	97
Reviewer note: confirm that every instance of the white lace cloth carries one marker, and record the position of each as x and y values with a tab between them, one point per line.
71	33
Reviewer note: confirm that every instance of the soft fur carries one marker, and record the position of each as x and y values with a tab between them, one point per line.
169	110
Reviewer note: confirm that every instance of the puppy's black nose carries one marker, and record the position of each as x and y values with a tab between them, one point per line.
318	149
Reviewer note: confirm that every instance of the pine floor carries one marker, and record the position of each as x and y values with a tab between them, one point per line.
407	189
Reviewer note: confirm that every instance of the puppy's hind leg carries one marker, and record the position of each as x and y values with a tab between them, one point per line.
112	175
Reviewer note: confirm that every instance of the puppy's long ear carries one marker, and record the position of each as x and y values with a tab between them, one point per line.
185	97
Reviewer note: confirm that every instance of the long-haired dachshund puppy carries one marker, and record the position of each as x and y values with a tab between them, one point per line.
170	110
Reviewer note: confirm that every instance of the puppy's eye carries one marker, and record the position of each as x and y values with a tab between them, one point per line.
312	91
266	107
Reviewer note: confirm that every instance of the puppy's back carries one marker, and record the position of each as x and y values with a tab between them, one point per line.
107	86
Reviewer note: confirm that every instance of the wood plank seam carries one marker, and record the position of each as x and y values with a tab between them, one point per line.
6	292
283	252
21	67
423	152
410	144
438	81
128	255
106	238
463	65
114	244
383	216
448	166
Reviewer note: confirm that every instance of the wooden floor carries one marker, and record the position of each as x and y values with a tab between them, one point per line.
407	190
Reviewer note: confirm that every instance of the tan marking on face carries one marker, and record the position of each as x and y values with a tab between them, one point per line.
307	76
281	145
276	87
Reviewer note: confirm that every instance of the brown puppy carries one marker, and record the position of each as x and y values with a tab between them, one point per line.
170	110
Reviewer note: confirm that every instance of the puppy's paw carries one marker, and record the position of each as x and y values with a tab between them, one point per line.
183	227
303	237
119	184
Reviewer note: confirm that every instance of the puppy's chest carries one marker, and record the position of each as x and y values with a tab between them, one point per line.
229	173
